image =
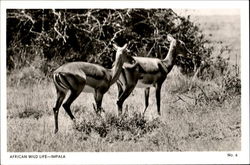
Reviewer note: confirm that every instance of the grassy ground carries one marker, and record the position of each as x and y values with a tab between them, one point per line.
191	120
206	118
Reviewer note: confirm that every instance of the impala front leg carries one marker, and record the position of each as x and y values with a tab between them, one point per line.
146	92
120	90
123	97
98	100
158	97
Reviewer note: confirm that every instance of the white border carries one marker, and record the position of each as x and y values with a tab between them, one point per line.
134	157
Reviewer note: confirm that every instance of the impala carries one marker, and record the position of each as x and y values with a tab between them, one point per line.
147	72
87	77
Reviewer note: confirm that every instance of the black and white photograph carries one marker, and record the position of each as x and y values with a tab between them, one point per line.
130	79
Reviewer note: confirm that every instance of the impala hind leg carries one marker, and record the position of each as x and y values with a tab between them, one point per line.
146	92
76	85
63	83
73	95
60	97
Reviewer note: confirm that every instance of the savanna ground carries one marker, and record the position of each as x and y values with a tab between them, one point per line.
205	118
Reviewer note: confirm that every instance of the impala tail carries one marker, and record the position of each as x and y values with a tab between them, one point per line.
60	81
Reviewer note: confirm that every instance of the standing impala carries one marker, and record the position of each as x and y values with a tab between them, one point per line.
147	72
83	76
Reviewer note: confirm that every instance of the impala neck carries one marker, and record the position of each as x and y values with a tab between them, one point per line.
116	69
169	60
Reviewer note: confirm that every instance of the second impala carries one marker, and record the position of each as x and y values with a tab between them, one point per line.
147	72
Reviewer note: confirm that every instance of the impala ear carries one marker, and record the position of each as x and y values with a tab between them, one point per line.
118	47
125	46
115	46
170	37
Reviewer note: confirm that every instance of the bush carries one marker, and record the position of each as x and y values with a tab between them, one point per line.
30	113
25	76
63	35
118	128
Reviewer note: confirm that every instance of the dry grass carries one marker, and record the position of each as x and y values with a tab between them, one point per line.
188	123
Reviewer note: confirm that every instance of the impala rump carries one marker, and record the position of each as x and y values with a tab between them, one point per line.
67	81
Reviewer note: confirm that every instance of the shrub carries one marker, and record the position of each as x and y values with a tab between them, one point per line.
118	128
63	35
30	113
25	76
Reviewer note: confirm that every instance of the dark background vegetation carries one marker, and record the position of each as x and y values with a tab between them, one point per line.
46	38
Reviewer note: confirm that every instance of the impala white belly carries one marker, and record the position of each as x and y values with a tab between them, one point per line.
140	84
88	89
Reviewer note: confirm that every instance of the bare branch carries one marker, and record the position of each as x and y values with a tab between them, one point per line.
21	15
110	42
63	36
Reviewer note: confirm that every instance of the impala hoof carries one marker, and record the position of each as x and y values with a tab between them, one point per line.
102	110
119	113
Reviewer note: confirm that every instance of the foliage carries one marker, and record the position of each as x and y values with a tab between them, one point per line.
63	35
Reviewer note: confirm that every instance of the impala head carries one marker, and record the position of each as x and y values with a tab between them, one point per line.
122	55
121	52
179	47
